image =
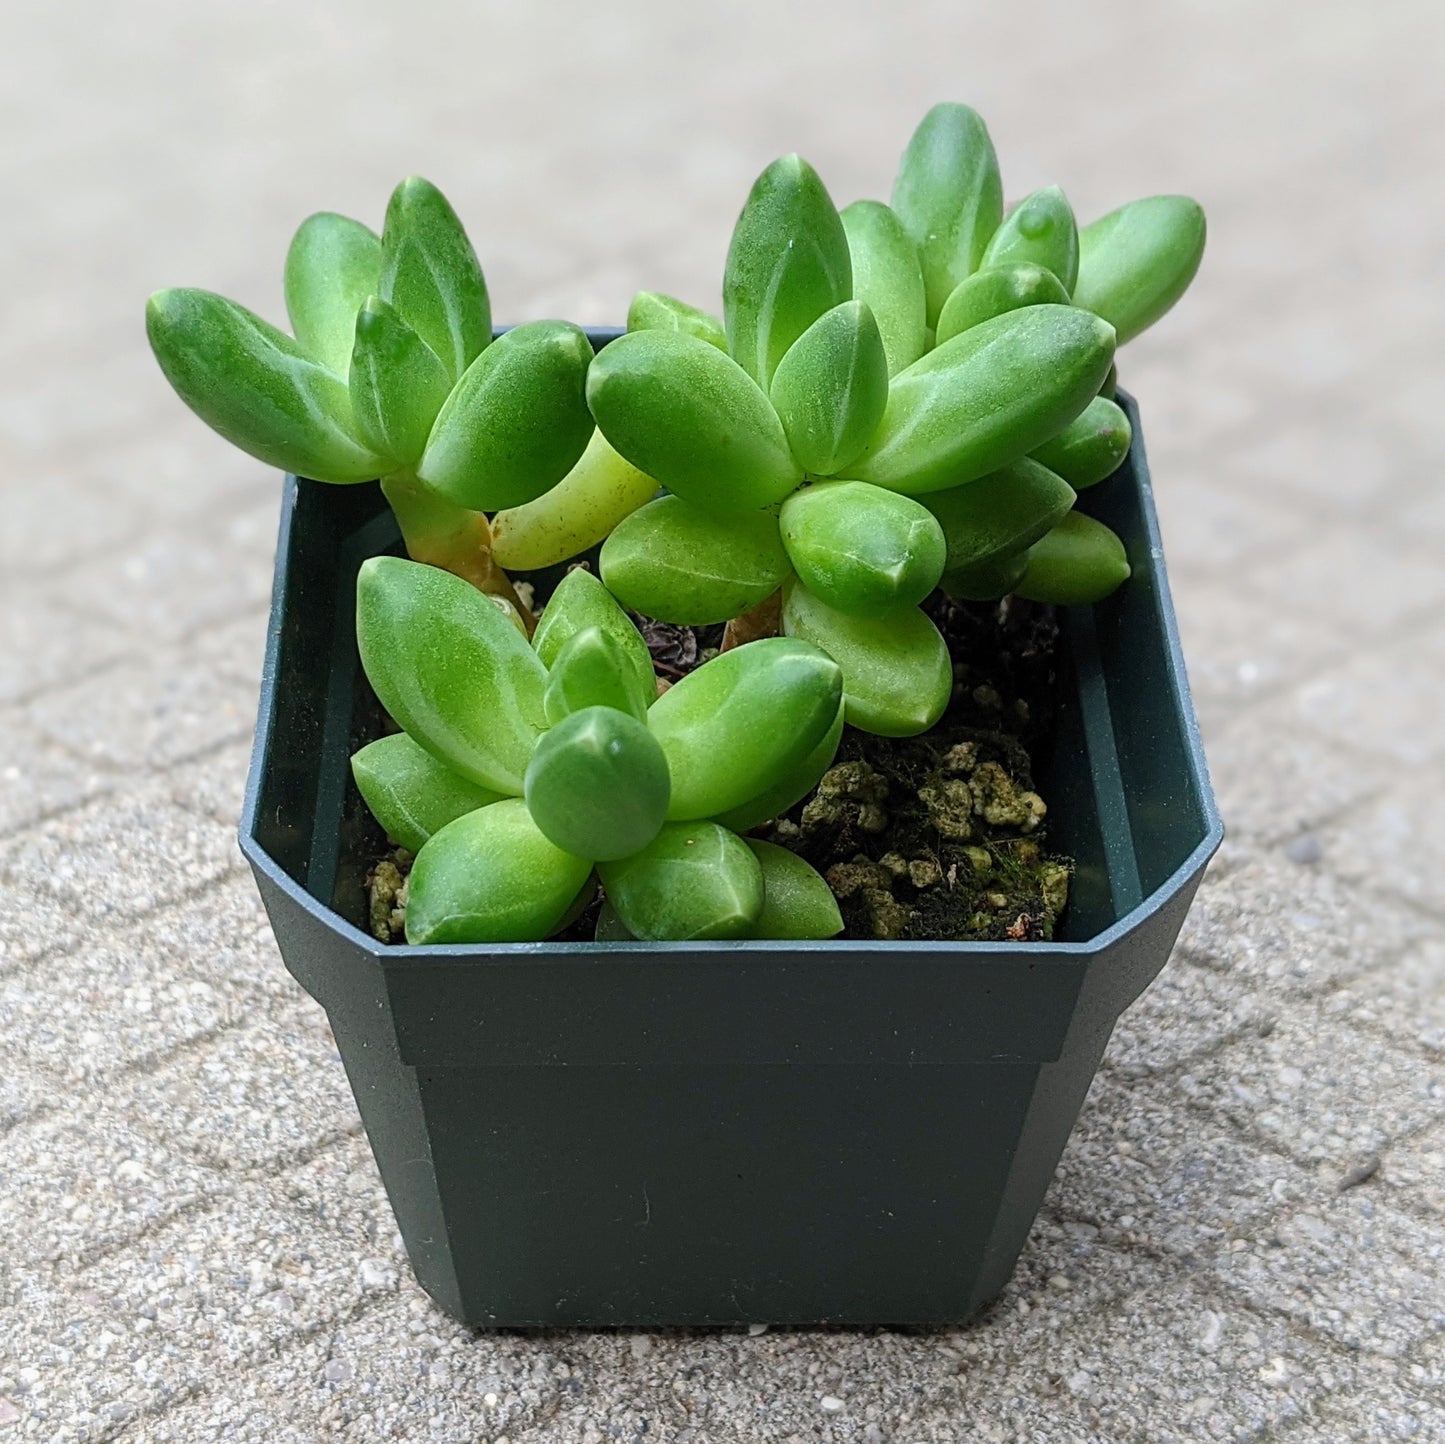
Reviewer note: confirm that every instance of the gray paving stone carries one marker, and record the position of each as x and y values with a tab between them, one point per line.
1294	928
214	784
53	517
222	936
1405	997
1319	1088
1389	700
1187	1010
176	582
1356	1271
1205	1368
207	1293
148	713
79	1182
36	777
268	1092
25	1092
84	1014
120	857
1275	778
235	648
31	927
1395	845
1412	1173
35	657
1152	1174
1240	645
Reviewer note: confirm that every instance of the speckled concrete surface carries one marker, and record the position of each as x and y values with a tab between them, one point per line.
1245	1239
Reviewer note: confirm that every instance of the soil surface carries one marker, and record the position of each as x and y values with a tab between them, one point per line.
936	837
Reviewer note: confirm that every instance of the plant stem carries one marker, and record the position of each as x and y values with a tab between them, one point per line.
450	537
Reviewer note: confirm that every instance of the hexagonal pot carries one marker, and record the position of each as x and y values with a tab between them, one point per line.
724	1133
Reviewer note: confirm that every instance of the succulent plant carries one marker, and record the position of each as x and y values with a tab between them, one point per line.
392	372
525	765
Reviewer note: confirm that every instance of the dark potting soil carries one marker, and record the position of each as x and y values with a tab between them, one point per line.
935	837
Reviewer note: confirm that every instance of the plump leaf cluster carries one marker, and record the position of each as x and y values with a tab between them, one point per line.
896	398
527	770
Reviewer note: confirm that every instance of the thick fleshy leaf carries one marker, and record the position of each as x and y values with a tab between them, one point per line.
678	563
451	669
999	516
1136	262
597	669
429	272
793	788
581	602
516	423
694	881
1091	446
788	263
743	722
492	877
611	928
257	387
410	793
949	196
897	674
830	389
687	414
1080	561
597	785
888	278
987	581
333	265
1040	230
862	549
995	291
397	384
797	903
577	513
987	397
654	311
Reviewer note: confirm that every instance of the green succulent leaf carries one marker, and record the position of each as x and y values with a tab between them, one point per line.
492	877
451	669
987	397
1040	230
797	903
897	674
863	550
429	272
998	517
743	722
397	384
994	292
1091	446
1080	561
793	788
678	563
694	881
597	785
1136	262
257	387
595	668
685	413
987	581
831	387
1110	388
333	265
654	311
516	423
787	264
579	603
888	278
949	196
410	793
580	511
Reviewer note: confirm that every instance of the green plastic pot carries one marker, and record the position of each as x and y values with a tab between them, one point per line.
725	1133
